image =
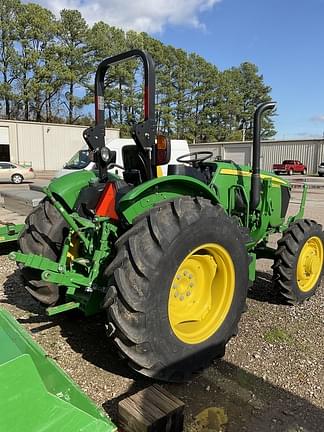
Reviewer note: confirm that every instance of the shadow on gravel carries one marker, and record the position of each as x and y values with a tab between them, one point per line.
263	290
85	335
88	337
248	402
16	294
7	247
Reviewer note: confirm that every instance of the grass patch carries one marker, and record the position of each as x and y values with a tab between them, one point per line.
277	335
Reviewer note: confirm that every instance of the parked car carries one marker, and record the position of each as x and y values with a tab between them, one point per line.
15	173
289	167
320	169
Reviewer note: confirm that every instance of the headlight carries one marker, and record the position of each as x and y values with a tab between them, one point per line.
105	154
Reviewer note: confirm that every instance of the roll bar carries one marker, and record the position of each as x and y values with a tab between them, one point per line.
255	180
143	132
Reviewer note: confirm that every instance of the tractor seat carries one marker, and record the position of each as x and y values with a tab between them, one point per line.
187	171
134	165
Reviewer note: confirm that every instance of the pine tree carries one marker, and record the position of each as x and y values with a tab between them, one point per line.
9	10
47	65
36	30
75	58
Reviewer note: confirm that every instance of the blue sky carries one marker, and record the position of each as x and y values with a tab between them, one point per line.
285	39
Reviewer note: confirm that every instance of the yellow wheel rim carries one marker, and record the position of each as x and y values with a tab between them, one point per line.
201	293
310	263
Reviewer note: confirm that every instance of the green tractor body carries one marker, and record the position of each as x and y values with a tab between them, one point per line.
229	187
168	258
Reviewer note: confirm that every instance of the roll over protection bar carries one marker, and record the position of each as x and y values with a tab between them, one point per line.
143	132
255	180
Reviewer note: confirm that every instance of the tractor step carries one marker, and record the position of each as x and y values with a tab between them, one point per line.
62	308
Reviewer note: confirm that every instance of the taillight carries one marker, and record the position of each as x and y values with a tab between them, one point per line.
163	150
31	170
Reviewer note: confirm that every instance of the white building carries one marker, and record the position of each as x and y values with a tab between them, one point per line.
46	146
308	151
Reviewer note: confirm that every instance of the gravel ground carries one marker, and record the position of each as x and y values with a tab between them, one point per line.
271	378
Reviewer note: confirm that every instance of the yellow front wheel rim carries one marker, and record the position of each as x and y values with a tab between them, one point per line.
310	263
201	293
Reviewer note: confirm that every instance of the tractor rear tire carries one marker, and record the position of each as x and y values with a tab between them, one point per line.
44	233
180	268
298	264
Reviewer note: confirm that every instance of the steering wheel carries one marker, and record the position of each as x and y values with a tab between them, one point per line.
195	158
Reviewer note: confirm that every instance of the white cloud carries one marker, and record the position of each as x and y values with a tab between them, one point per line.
318	118
142	15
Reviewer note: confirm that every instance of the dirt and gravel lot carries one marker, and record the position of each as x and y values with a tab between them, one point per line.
271	378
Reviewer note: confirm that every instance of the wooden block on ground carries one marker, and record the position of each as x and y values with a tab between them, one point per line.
151	410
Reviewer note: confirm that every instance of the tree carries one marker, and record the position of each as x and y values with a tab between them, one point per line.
204	81
51	79
75	57
9	10
36	30
47	69
253	90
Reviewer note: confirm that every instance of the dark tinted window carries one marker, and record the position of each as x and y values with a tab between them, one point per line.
4	165
79	161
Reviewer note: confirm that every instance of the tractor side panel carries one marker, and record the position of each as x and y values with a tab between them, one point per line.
275	206
232	176
229	177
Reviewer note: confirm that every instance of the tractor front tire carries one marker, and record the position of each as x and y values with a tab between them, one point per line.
298	264
177	288
44	233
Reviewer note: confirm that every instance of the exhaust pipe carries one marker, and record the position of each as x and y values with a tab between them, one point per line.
255	180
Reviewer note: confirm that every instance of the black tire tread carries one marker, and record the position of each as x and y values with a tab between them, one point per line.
139	249
285	258
43	235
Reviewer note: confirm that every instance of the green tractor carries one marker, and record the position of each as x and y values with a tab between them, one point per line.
169	259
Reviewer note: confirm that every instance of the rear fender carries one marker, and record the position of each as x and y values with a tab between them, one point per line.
67	188
145	196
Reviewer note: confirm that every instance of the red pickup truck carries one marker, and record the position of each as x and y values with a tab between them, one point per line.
289	167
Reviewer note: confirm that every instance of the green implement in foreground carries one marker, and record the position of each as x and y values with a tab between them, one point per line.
35	394
10	232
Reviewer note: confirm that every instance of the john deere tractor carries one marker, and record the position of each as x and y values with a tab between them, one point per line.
169	259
